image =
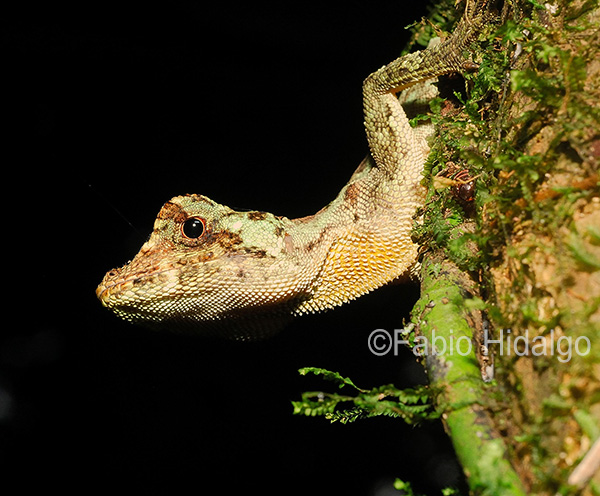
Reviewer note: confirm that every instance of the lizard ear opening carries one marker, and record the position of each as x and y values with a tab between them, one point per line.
193	228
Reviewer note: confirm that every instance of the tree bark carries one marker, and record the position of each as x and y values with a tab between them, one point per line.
513	250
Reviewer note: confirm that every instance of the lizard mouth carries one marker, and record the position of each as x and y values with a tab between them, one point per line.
106	291
143	298
117	289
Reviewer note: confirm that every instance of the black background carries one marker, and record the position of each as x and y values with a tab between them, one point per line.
115	108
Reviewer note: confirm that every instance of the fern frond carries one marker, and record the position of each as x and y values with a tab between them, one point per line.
330	376
413	405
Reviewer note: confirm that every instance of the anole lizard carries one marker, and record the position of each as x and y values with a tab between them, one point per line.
242	274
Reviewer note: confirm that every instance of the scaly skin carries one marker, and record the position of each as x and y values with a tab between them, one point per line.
243	274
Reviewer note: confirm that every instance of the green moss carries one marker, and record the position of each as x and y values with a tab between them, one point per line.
523	127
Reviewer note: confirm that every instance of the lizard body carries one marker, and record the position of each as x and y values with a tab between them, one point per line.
243	274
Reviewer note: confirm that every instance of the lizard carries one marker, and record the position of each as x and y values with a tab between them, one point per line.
243	274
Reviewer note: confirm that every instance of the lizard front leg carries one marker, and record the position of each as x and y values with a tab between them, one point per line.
372	217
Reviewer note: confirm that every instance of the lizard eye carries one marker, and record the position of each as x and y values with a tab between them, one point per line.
193	228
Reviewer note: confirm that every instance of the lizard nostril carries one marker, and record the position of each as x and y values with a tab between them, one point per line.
193	228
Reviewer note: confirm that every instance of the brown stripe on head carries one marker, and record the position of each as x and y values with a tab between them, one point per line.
171	210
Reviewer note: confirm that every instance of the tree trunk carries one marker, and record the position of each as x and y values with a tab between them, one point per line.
512	230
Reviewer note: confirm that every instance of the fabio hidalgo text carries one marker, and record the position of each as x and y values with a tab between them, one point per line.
382	342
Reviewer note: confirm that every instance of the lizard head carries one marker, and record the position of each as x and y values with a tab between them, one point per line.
205	266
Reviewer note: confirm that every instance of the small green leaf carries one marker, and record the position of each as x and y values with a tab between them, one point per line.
594	234
581	255
329	376
588	423
400	485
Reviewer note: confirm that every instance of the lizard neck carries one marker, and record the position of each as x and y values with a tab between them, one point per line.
355	244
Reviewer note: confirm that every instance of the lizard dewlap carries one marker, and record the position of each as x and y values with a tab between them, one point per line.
207	267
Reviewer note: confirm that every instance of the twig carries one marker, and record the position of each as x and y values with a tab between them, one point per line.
587	467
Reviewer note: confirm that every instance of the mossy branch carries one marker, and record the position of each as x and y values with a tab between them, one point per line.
442	316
